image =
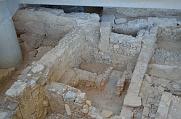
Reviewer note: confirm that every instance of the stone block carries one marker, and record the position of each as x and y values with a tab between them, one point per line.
164	22
63	98
165	71
125	44
105	32
107	113
37	68
164	106
67	108
120	20
4	115
126	113
16	89
132	100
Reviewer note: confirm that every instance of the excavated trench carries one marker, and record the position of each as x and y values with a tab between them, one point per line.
76	67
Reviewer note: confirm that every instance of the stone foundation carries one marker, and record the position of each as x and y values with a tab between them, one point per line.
81	76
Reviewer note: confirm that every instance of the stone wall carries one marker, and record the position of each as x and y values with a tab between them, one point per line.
28	90
143	12
172	33
42	27
66	100
167	56
122	50
28	93
168	46
32	104
125	45
76	77
66	55
45	27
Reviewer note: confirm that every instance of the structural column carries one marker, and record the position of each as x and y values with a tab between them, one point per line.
10	53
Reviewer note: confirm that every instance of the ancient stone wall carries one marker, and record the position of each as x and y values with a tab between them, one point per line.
67	101
142	12
28	90
42	27
169	33
36	92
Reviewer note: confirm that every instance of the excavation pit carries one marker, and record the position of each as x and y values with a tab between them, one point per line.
81	68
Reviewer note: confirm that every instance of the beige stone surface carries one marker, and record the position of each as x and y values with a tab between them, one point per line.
67	108
106	113
142	63
126	113
175	108
105	32
132	100
165	71
85	109
88	102
42	27
164	106
16	89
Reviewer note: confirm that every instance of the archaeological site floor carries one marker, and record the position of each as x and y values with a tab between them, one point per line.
122	64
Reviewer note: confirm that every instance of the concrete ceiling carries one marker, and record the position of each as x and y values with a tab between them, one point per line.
166	4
